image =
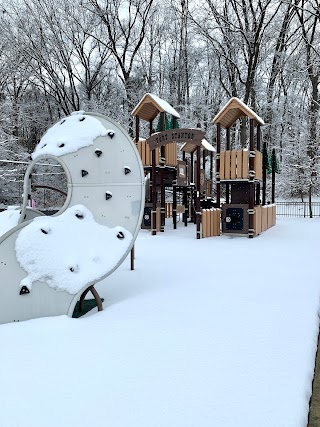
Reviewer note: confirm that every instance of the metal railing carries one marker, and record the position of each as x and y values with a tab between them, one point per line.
298	209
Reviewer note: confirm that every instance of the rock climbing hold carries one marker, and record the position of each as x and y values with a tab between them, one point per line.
24	290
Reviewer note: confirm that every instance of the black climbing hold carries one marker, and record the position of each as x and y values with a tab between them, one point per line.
108	195
84	173
127	170
71	269
82	118
98	152
111	134
44	231
79	215
61	145
120	235
24	290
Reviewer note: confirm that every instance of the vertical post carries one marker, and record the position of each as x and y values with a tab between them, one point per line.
137	129
258	187
273	175
264	172
251	180
174	207
204	153
192	188
162	166
218	164
151	172
227	148
258	137
211	171
192	167
132	258
186	207
174	122
198	210
154	194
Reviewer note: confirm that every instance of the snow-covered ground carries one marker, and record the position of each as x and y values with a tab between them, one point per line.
218	332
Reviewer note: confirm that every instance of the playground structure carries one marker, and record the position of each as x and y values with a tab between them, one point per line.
48	264
240	171
159	154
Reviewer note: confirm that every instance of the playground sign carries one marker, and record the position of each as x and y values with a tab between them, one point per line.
194	136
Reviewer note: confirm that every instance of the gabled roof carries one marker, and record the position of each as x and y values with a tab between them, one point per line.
188	147
232	111
150	106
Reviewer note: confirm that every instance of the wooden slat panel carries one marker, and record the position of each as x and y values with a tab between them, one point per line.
222	164
258	164
239	164
257	220
214	222
204	223
143	152
176	153
158	219
208	232
211	231
264	218
245	157
227	165
217	222
148	156
233	164
270	216
139	149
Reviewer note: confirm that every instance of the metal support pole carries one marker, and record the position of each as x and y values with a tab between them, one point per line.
218	164
174	207
154	195
132	258
186	207
251	181
198	209
273	175
162	167
264	173
228	148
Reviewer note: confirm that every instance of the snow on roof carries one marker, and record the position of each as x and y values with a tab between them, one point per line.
226	118
69	135
207	146
8	220
159	106
188	147
69	251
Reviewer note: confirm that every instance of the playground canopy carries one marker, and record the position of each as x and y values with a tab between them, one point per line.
232	111
151	105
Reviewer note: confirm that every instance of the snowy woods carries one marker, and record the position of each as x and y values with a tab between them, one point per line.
96	55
